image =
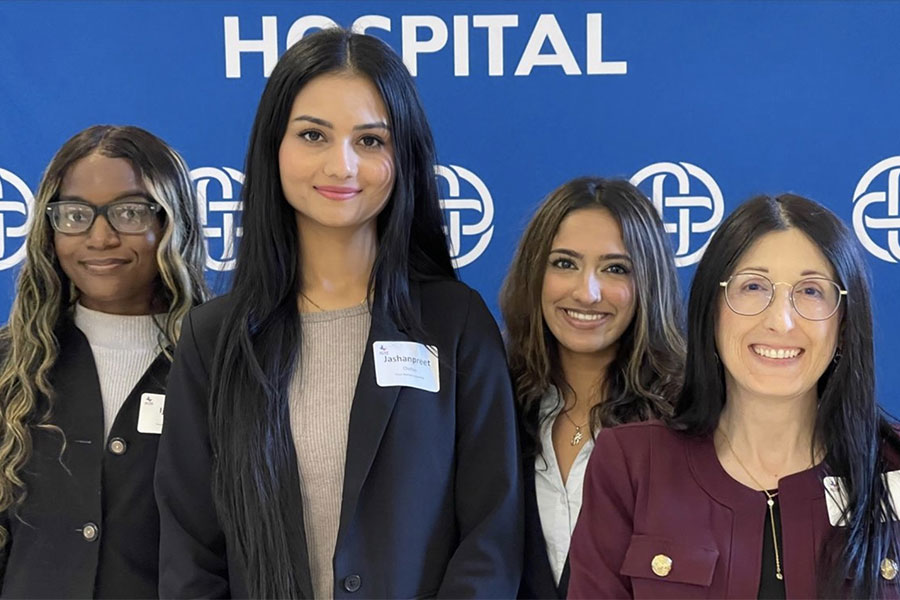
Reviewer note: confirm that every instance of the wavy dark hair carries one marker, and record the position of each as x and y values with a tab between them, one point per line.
849	424
259	343
645	375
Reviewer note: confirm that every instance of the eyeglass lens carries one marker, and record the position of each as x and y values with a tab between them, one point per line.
125	216
815	298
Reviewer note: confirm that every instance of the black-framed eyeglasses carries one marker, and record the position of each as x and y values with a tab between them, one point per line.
814	298
126	215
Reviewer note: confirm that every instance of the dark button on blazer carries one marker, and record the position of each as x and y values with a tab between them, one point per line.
89	525
432	498
662	519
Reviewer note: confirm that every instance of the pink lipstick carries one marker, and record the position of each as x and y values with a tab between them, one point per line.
335	192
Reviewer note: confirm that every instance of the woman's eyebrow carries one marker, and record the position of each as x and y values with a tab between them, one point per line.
128	194
573	254
376	125
315	120
330	125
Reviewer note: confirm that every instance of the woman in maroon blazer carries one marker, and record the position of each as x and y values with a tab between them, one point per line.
766	482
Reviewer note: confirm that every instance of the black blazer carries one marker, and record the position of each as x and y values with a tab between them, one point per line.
432	499
537	576
89	525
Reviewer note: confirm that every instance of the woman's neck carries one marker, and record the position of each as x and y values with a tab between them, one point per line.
761	439
584	374
336	266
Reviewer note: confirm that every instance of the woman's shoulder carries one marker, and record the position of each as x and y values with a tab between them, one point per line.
449	300
642	437
446	291
452	309
890	446
205	321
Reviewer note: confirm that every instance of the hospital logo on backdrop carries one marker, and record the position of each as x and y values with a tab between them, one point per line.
218	192
688	200
16	209
876	209
468	213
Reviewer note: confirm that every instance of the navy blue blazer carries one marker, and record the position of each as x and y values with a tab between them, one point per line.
89	525
432	498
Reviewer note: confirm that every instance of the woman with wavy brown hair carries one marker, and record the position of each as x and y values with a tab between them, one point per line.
594	335
114	262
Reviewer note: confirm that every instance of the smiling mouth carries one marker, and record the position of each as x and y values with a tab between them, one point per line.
103	265
776	353
586	317
334	192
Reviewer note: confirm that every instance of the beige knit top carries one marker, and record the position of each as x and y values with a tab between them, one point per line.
321	394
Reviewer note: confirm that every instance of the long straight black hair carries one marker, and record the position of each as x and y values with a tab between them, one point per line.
259	342
849	425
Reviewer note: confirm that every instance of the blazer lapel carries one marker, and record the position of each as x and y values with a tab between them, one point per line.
537	577
369	414
563	588
75	376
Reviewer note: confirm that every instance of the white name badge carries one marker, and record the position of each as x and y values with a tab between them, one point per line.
407	364
836	496
150	418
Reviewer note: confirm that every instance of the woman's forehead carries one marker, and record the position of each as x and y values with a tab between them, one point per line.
785	256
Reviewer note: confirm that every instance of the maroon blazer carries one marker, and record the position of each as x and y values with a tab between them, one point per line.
652	491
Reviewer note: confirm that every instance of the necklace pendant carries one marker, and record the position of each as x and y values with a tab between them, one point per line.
576	439
779	576
770	502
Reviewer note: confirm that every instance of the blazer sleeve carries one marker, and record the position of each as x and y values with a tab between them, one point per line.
4	551
487	562
192	556
605	525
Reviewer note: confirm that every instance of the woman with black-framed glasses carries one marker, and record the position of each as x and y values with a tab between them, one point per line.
767	482
128	215
114	262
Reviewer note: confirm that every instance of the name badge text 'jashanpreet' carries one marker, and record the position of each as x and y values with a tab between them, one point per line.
407	364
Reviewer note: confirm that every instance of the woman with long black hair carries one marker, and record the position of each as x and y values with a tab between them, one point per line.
769	480
342	422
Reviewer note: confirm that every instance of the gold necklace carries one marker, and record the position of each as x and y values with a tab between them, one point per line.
770	500
310	300
576	439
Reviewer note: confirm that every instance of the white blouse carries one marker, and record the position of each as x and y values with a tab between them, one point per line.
558	503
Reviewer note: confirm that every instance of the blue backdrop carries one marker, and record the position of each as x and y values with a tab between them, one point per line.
703	104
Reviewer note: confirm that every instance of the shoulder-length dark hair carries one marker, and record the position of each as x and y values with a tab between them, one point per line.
849	425
645	375
260	340
44	293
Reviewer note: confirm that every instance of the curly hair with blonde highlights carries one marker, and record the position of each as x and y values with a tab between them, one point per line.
45	294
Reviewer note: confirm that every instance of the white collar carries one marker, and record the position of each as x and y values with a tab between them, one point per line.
118	332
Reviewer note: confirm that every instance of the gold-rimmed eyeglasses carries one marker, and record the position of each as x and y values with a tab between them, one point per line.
814	298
